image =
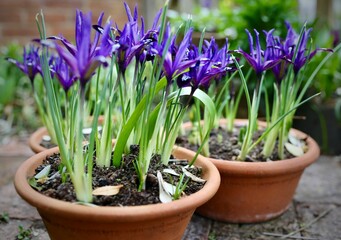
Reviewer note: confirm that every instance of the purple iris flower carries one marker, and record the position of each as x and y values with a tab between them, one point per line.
85	57
206	3
126	49
150	39
31	62
63	73
72	48
150	46
222	62
301	58
175	64
292	46
131	18
259	60
277	50
52	62
212	65
288	47
282	49
210	48
186	79
134	42
173	47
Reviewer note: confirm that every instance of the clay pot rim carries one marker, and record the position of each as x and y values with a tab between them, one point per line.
108	213
36	137
35	140
270	168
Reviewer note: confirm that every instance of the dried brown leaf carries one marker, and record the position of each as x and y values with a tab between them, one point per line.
107	190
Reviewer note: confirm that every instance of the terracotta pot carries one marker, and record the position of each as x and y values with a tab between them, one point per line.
253	192
64	220
35	140
37	137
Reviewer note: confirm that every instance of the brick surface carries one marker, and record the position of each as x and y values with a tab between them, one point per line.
13	31
7	17
65	4
17	17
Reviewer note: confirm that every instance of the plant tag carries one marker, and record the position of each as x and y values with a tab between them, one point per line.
170	188
188	166
294	150
170	171
164	196
57	174
191	176
43	173
107	190
86	131
46	138
295	141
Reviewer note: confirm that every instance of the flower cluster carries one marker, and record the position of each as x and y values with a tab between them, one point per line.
139	77
287	59
31	62
212	63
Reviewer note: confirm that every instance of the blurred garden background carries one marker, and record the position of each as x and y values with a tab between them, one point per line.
321	118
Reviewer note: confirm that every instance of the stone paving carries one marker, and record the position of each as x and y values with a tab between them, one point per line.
315	212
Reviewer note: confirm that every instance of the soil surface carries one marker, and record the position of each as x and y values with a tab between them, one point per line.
126	176
226	145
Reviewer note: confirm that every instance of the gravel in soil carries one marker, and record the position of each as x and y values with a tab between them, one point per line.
125	175
226	145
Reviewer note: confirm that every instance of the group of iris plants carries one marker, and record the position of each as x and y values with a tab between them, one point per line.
126	75
285	61
143	83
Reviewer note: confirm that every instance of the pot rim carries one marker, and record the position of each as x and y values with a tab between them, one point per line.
270	168
110	213
35	139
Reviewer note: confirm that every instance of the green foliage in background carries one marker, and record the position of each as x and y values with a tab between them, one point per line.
9	75
17	109
232	17
328	80
265	15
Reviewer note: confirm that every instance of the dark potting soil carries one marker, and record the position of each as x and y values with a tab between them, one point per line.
126	176
225	145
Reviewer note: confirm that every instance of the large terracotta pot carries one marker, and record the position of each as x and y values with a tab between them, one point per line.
257	191
64	220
